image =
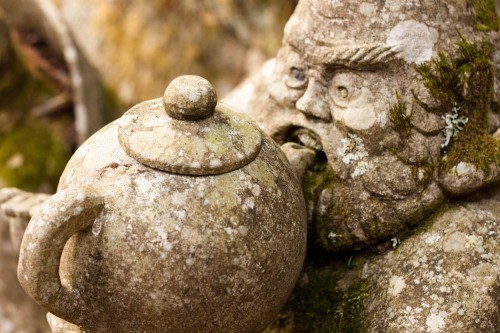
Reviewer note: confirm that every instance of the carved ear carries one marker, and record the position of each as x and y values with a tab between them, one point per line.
464	177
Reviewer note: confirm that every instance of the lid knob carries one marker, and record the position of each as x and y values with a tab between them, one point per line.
189	97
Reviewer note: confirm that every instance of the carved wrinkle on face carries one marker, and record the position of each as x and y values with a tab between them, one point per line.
327	95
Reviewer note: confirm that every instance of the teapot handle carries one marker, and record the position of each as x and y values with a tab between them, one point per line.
60	217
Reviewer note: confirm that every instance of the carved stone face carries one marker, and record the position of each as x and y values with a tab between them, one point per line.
341	70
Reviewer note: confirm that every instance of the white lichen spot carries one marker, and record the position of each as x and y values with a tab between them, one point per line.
243	230
249	202
143	186
256	190
332	236
396	285
382	119
215	163
353	149
395	242
180	213
432	238
179	198
452	125
367	9
195	165
412	40
189	261
98	224
455	242
464	168
483	274
436	322
361	169
153	121
474	242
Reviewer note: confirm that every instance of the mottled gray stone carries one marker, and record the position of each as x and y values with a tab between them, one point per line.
330	88
124	247
342	67
444	279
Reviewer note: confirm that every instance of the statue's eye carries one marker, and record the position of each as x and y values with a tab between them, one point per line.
296	78
342	92
297	74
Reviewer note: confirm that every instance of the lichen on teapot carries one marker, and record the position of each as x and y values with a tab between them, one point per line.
187	208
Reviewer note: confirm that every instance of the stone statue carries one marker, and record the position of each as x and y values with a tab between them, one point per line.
388	111
18	312
181	216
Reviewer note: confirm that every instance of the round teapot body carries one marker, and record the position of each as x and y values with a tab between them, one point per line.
175	253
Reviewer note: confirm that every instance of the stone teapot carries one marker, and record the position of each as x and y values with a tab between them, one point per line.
181	216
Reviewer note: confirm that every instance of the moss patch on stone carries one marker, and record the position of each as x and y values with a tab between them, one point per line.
486	14
321	307
400	119
31	156
321	232
464	81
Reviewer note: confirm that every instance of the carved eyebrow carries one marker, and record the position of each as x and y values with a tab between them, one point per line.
357	56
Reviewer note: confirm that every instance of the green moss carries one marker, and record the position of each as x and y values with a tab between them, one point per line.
465	81
328	230
325	232
321	307
31	156
486	14
316	179
400	120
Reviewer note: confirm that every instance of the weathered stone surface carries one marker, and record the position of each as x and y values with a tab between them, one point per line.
353	81
399	100
18	313
151	251
444	279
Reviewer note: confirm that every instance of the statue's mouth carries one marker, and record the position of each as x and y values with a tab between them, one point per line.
307	138
300	135
302	147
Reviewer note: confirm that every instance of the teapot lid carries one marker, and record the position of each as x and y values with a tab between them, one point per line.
188	132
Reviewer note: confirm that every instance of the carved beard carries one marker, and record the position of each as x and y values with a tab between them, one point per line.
356	212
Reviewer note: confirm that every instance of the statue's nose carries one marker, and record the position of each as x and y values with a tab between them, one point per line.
314	102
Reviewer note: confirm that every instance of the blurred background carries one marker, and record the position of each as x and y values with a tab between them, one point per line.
67	67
